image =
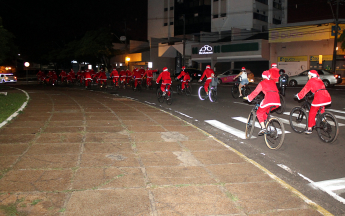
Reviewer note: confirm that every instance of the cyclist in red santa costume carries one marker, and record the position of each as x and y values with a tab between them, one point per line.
269	88
115	75
209	73
274	73
186	77
321	97
166	79
149	76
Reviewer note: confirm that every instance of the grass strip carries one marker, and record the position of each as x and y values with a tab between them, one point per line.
10	103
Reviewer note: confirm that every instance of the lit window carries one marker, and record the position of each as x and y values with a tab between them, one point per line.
196	14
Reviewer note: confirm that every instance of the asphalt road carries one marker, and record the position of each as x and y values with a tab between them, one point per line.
314	168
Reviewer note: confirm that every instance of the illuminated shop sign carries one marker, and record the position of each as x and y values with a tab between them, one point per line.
207	49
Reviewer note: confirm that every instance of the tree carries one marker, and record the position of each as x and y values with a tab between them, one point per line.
7	47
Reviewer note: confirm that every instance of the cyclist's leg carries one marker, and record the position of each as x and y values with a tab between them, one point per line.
168	87
183	85
239	89
163	88
207	83
261	114
311	118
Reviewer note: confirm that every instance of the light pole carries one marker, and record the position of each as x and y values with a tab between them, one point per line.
335	36
26	64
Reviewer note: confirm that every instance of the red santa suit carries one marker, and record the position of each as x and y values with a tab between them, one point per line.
40	76
142	71
129	75
78	75
321	96
115	75
102	77
270	90
186	78
87	78
209	73
166	79
71	76
54	78
137	77
123	75
63	75
274	73
149	76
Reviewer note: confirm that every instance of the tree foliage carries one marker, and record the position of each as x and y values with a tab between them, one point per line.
8	49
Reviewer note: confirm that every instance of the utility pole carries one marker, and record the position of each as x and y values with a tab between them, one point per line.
335	38
184	40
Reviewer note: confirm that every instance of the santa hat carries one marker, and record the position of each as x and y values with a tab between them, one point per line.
165	69
266	74
243	68
313	73
274	65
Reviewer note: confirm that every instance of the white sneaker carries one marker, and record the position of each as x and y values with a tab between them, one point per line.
164	93
262	132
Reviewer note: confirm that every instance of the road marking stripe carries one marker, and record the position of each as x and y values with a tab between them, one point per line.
332	185
257	125
339	124
338	111
227	128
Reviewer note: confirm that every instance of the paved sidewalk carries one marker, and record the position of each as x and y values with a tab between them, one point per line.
76	152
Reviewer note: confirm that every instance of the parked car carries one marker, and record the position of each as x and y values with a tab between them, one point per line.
7	78
229	75
328	78
194	74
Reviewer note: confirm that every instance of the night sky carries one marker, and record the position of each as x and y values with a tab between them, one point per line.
40	25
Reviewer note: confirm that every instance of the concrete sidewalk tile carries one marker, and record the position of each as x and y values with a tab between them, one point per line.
93	110
147	137
159	159
117	147
51	129
7	162
101	118
51	161
20	138
197	135
31	118
179	175
168	120
203	145
60	138
96	123
61	148
264	197
126	202
110	177
193	200
179	128
145	128
27	124
142	118
129	114
75	123
106	137
109	159
100	115
35	180
217	157
11	149
238	172
104	129
34	203
19	130
143	147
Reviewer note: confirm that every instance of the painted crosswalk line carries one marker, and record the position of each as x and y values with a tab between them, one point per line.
331	123
227	128
334	187
257	125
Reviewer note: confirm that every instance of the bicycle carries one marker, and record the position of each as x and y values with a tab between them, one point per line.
139	86
245	90
187	89
212	91
167	97
274	137
326	123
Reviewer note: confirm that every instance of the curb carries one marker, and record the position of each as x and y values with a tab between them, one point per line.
276	178
17	112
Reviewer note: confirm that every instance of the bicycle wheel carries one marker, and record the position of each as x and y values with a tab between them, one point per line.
327	127
160	96
274	137
298	120
212	94
281	109
246	91
169	98
178	89
234	91
250	124
202	93
188	90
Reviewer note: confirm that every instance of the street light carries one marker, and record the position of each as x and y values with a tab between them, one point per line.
127	60
26	64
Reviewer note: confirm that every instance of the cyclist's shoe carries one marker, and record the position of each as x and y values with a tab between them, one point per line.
308	132
262	131
164	93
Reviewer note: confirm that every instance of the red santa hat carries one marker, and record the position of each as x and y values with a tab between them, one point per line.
165	69
243	68
266	74
274	65
313	73
208	66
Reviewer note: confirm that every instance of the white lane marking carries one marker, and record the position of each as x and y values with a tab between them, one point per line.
150	103
325	189
338	111
257	125
227	128
285	168
242	103
183	114
335	185
331	123
295	124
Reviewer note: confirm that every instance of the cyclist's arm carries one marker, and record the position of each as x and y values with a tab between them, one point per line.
203	75
238	75
257	90
305	90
